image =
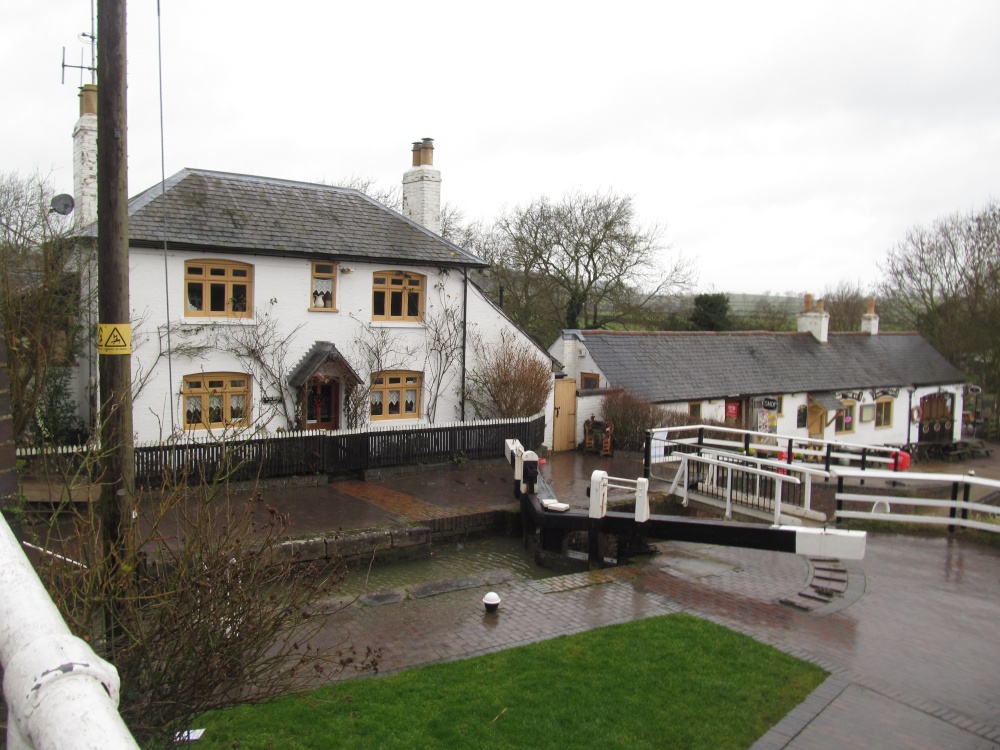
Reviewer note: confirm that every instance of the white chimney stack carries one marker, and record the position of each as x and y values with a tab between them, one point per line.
422	188
815	320
869	321
85	158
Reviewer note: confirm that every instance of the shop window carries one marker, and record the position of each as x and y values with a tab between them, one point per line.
396	395
883	413
324	287
845	417
589	381
397	296
218	289
216	400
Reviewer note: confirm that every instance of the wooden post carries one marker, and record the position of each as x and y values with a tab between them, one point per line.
118	468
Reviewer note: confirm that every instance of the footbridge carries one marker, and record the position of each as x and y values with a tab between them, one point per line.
553	521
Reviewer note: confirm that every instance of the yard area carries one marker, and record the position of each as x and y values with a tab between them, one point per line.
673	681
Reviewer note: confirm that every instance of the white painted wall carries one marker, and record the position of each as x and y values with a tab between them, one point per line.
281	289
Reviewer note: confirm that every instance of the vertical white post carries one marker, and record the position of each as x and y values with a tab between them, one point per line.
777	503
684	493
641	500
598	494
808	491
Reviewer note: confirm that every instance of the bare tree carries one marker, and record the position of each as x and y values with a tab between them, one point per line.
846	303
40	294
945	281
375	350
507	378
443	348
588	254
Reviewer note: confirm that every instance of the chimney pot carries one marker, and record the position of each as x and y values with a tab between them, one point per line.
820	306
88	99
427	152
871	305
416	153
808	303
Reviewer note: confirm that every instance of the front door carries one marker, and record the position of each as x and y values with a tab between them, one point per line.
323	405
564	417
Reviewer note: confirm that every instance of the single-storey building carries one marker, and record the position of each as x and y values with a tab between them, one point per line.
864	387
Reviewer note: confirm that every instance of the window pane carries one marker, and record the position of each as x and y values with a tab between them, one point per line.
324	268
217	272
192	411
378	304
376	403
413	305
239	273
215	409
217	298
237	407
239	297
194	385
393	402
195	270
396	305
216	384
411	401
194	295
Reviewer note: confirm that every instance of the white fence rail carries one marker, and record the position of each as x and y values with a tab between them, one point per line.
959	506
60	695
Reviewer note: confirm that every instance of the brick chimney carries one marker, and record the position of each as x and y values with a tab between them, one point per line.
422	188
814	319
85	158
869	321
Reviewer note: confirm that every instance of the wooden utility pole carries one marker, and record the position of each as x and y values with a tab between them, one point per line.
114	329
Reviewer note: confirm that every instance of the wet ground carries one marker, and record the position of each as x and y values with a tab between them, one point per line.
912	646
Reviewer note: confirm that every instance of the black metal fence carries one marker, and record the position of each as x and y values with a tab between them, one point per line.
305	452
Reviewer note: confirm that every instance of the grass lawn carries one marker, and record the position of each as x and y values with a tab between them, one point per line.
674	681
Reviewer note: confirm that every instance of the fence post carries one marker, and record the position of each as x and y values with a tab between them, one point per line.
965	498
840	489
777	501
647	456
864	463
701	439
829	459
953	513
729	492
746	444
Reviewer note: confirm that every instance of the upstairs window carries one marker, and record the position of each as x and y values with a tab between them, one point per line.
216	400
397	296
323	295
589	381
218	289
396	395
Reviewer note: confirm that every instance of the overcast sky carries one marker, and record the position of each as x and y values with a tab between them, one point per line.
784	146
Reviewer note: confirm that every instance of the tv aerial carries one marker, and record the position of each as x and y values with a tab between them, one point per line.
90	39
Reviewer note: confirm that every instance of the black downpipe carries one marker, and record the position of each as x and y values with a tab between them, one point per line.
465	313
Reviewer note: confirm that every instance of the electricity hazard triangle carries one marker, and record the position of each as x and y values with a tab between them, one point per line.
115	340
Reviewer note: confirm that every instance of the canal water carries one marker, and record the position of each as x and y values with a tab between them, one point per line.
448	560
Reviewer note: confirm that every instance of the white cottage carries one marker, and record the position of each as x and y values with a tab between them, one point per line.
864	387
261	304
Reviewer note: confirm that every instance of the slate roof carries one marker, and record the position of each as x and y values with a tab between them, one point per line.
674	366
219	211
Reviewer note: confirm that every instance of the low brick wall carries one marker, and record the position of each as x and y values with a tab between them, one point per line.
397	543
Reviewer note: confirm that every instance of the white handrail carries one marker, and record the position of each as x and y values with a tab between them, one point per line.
59	693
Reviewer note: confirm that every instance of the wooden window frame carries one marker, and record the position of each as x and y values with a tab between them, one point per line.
202	273
317	302
694	406
387	284
882	420
382	387
584	376
205	385
844	426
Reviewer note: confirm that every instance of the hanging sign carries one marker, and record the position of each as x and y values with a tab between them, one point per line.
114	338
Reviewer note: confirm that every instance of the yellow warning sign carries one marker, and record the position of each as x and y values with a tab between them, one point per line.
114	338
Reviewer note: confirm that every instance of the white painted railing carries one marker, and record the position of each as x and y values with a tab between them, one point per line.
959	506
600	483
60	695
780	473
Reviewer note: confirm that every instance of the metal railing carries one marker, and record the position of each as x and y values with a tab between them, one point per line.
959	505
59	693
